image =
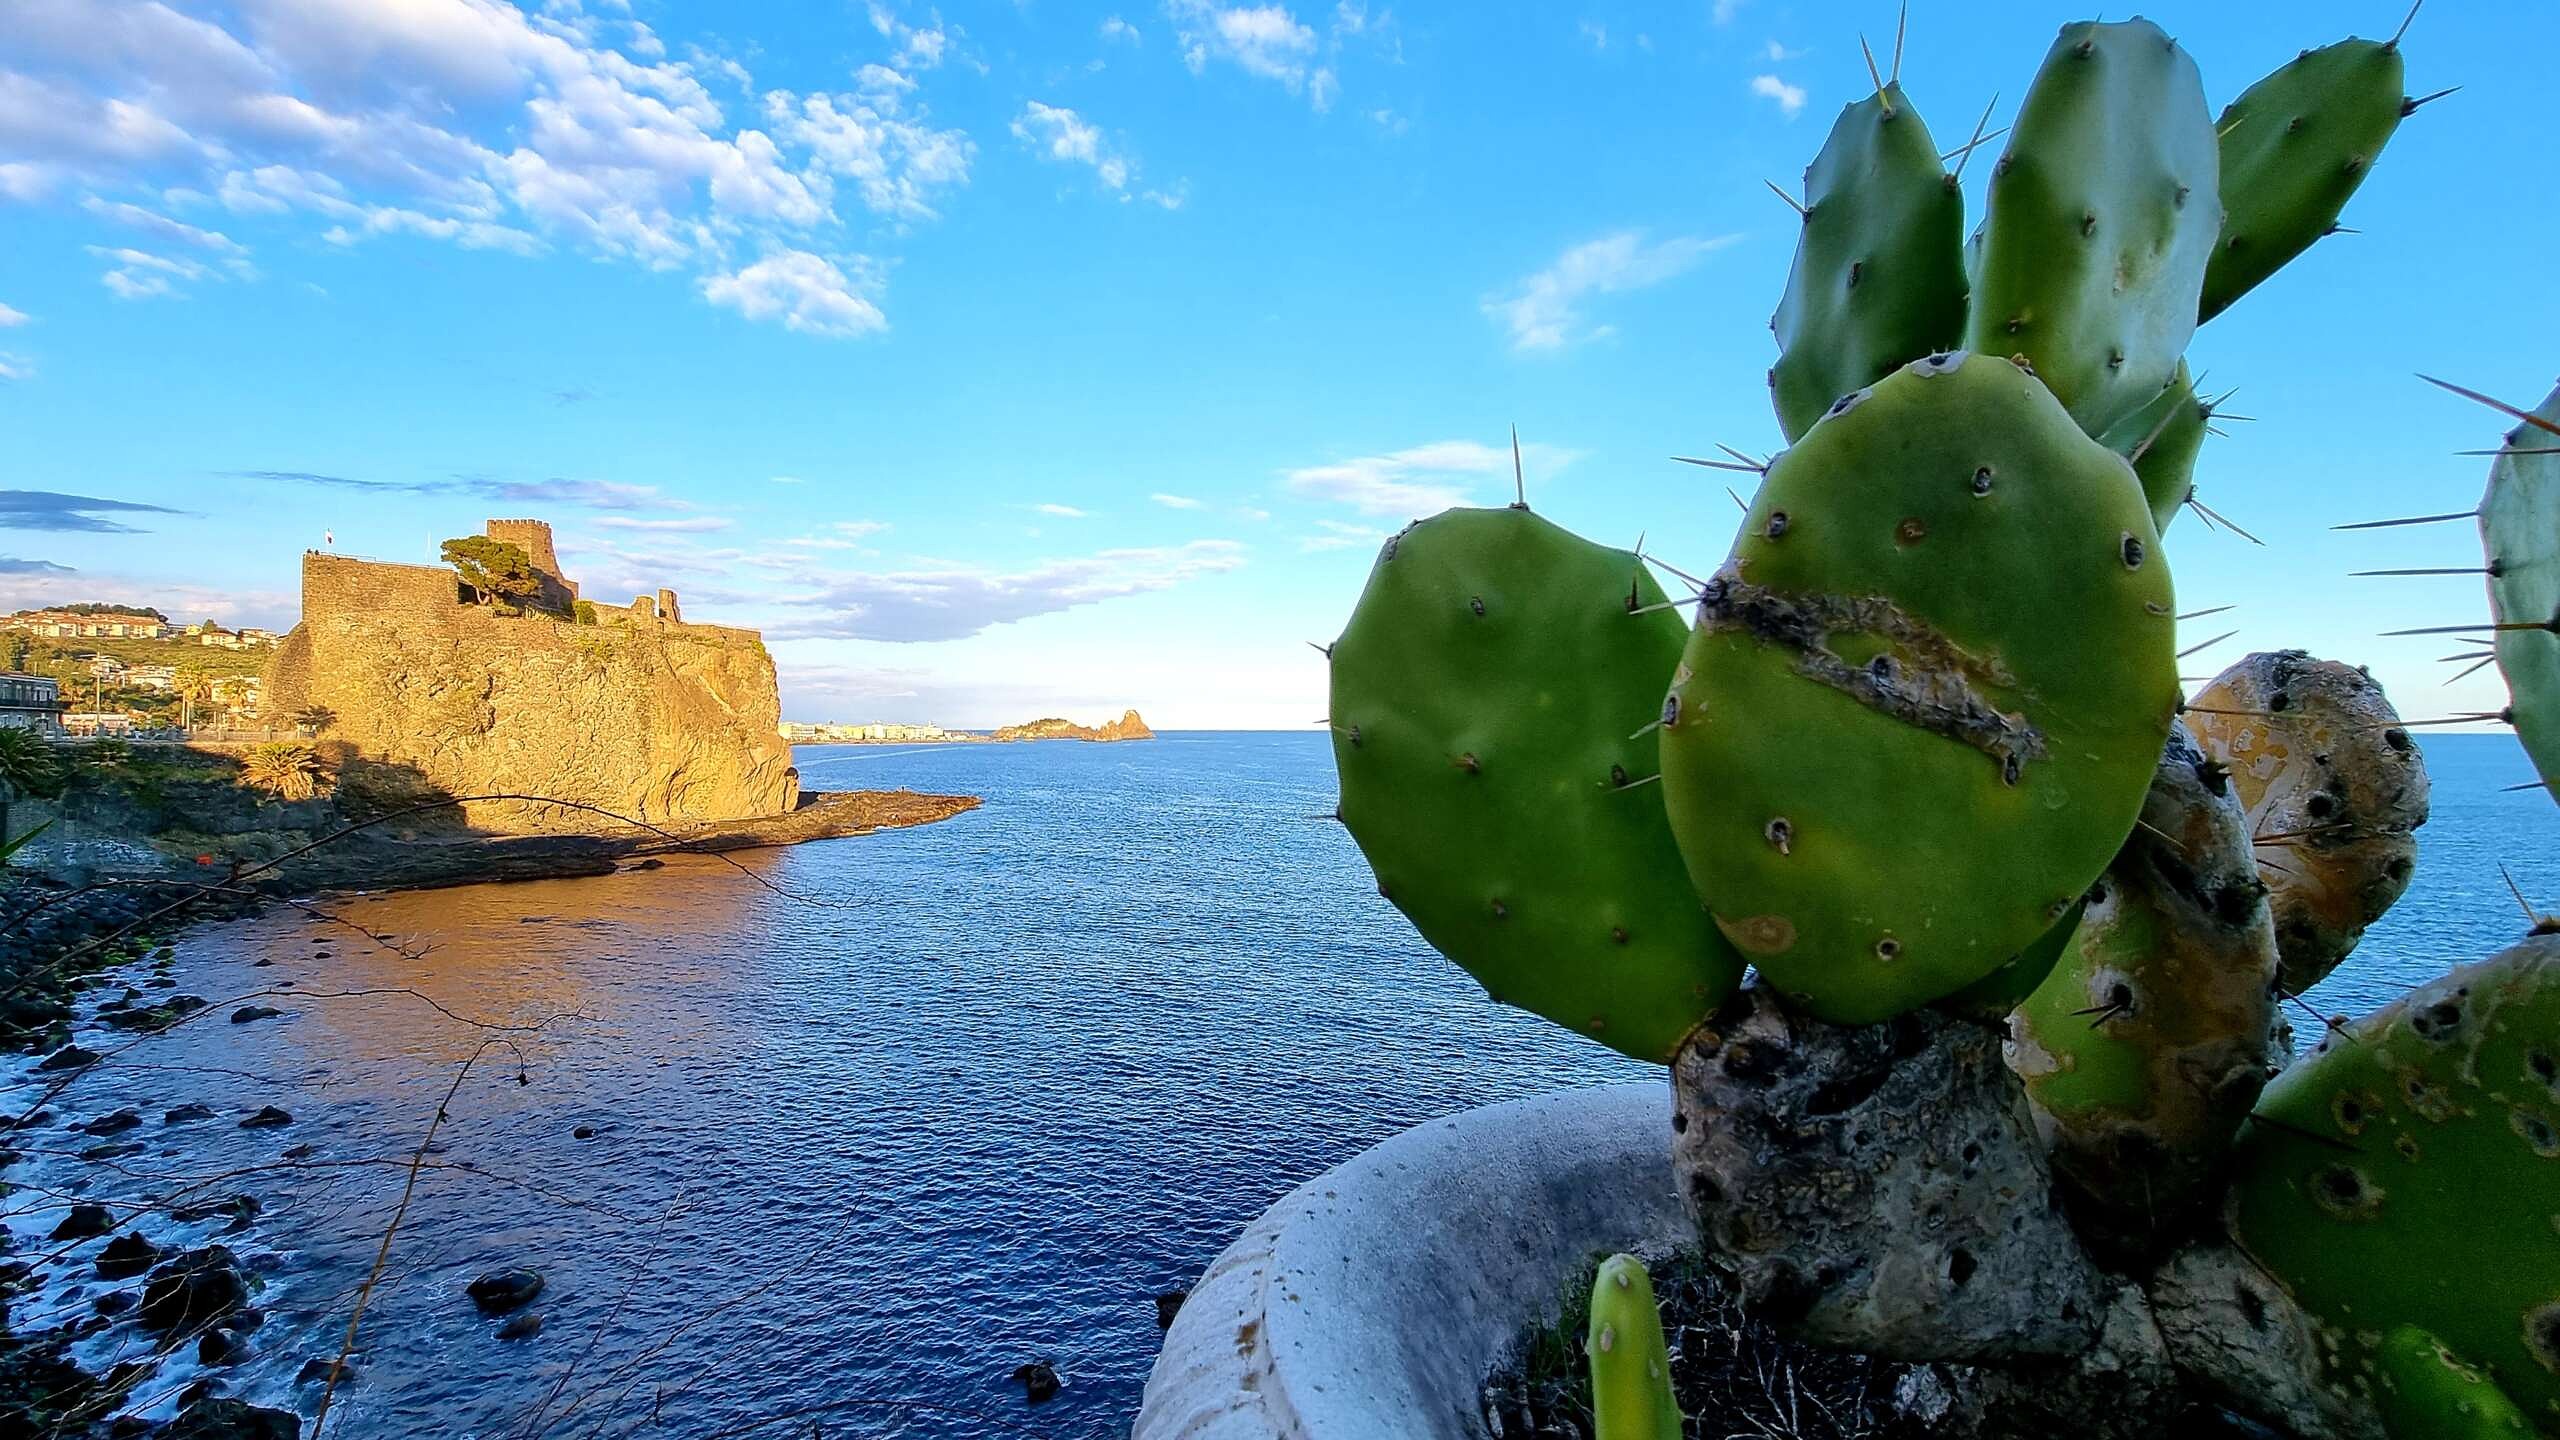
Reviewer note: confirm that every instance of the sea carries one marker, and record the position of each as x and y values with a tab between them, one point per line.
828	1141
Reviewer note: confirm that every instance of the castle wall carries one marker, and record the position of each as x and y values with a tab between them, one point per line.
344	585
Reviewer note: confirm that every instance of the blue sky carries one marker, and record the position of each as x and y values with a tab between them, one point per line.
1024	358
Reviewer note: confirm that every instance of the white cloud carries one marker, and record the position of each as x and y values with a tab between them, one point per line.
1596	33
1178	502
1420	479
1063	135
16	367
789	480
808	292
162	227
1790	98
11	317
1115	28
1262	40
1781	53
1062	512
1544	312
1725	10
688	525
1340	535
141	275
951	602
478	123
920	47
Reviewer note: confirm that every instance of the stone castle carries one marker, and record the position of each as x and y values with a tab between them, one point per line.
628	708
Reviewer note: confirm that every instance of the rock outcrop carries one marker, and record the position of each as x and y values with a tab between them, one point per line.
635	713
1127	727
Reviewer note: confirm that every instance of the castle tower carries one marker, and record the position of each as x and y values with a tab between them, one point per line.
533	537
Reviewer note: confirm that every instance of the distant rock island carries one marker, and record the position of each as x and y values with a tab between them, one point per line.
1128	727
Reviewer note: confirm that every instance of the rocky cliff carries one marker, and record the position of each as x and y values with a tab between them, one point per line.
1127	727
655	721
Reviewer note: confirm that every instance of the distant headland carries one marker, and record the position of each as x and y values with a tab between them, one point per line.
1128	727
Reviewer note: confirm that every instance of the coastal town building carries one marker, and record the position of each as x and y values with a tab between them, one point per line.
31	702
837	733
67	624
99	722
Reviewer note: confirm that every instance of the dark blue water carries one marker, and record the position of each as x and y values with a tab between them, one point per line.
966	1096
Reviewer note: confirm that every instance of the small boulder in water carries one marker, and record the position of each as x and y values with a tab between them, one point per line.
115	1124
317	1371
1039	1380
247	1013
198	1289
127	1256
521	1327
69	1057
1168	1305
184	1113
500	1291
85	1222
267	1118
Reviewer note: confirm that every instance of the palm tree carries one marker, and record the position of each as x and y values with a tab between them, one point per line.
286	769
194	687
27	767
312	719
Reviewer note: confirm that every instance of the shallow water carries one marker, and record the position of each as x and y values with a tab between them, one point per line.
937	1102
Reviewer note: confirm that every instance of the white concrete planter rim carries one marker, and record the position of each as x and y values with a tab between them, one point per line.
1371	1302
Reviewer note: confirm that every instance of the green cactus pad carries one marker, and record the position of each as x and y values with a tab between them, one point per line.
2294	147
2162	440
2102	217
1994	996
2333	787
2146	1048
2427	1393
2407	1172
2520	535
1487	699
1879	269
1889	767
1630	1366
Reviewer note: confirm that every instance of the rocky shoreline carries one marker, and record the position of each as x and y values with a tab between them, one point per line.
188	1289
362	862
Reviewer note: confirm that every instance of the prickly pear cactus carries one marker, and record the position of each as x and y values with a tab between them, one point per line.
1879	269
2427	1393
2520	535
2333	786
2146	1048
1630	1366
1484	698
2102	217
2162	440
1888	765
2406	1172
2294	147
